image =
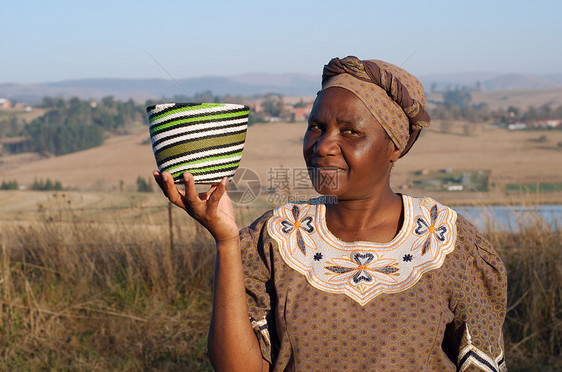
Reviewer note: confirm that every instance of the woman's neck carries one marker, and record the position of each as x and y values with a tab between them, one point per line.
376	219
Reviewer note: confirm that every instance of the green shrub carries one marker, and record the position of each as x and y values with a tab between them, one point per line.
9	185
48	185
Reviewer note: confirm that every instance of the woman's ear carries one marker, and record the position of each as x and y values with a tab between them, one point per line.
395	154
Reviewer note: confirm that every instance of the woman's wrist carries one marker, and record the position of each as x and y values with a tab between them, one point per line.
228	243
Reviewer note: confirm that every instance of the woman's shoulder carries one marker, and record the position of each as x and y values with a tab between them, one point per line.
469	239
473	243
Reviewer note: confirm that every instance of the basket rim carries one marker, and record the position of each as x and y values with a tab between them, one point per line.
191	104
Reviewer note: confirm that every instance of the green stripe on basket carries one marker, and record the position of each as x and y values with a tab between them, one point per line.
186	109
212	169
199	145
202	160
226	115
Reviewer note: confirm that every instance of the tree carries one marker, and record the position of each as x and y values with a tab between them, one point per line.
273	104
458	97
468	129
77	124
143	185
446	126
47	185
9	185
434	87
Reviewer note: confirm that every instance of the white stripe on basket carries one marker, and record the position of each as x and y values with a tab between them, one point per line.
190	113
161	107
194	136
196	127
201	154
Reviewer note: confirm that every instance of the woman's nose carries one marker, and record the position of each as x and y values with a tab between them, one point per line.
326	144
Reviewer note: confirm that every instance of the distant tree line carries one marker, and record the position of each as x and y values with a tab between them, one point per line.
72	125
457	105
48	185
9	185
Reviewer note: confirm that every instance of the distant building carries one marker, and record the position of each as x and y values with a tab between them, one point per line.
302	113
545	123
4	104
455	187
536	124
516	126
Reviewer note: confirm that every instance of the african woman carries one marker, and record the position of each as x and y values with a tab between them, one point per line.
363	278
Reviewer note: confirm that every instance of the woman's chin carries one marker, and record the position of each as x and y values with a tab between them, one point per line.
326	190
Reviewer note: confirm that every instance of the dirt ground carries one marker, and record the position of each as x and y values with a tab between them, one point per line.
511	156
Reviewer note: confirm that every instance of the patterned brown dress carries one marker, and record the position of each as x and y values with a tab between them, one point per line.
432	299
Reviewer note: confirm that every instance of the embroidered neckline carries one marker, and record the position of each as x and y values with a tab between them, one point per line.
327	234
363	270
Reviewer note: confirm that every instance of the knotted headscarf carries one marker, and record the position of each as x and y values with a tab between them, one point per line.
394	97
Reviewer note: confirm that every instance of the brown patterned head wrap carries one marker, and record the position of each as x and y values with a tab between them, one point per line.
394	97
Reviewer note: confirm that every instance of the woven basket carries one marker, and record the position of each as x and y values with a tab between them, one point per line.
205	139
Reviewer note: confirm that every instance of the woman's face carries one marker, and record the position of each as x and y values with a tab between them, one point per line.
347	152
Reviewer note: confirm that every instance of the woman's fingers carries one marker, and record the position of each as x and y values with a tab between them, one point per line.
205	206
191	194
216	194
166	183
159	181
213	209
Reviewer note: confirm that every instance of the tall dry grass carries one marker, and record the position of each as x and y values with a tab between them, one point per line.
82	295
533	327
99	292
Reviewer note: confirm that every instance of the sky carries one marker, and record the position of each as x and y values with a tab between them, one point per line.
50	41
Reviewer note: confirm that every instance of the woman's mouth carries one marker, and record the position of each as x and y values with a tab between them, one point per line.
325	177
327	170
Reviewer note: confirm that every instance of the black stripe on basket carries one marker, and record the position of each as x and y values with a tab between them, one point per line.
209	173
190	114
231	152
199	139
179	122
245	124
233	167
206	149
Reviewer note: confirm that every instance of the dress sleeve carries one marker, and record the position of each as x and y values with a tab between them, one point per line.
479	305
256	262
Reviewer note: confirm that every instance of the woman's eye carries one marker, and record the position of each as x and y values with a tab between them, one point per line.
313	127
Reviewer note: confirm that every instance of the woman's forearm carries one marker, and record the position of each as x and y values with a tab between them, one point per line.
232	343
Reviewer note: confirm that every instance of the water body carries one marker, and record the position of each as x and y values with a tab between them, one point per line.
512	218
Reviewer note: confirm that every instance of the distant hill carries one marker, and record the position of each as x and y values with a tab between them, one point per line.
519	81
490	81
141	90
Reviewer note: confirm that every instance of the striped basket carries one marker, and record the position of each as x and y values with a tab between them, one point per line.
205	139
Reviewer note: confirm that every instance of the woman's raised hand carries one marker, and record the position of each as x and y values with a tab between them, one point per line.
212	209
